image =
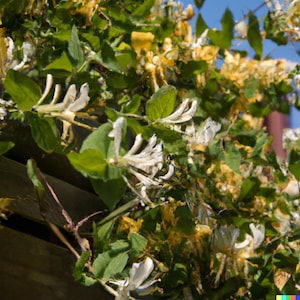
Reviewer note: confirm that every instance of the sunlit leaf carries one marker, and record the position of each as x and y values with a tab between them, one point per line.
99	140
295	169
138	244
161	103
74	48
254	36
23	90
100	263
224	37
200	25
250	87
106	266
143	10
232	157
45	133
61	63
249	188
116	265
89	162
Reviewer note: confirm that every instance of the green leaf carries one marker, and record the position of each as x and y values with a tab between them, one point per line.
133	106
23	90
119	246
232	157
100	263
63	35
80	265
74	48
260	143
99	140
45	133
285	259
5	146
161	103
249	188
185	221
143	9
138	244
108	58
199	3
193	68
110	191
117	80
200	25
106	267
32	174
250	87
116	265
273	30
89	163
62	63
224	37
254	36
227	28
295	169
119	211
103	235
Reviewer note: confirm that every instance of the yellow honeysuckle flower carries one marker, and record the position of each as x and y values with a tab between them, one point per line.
141	41
130	225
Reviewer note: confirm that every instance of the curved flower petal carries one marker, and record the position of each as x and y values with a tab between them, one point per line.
258	233
139	273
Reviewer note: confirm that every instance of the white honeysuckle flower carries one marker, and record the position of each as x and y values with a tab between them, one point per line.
224	239
71	103
3	113
49	84
143	163
184	113
241	28
4	107
290	137
28	52
292	188
170	172
149	160
139	272
66	109
10	49
116	134
252	242
203	135
201	41
258	233
296	80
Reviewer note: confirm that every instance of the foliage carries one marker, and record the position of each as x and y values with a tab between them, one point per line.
198	201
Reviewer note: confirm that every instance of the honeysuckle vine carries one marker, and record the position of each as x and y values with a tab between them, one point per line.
166	121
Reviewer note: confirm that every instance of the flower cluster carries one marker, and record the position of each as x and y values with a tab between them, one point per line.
66	109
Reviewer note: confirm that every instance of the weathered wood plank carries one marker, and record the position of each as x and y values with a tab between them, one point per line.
31	268
14	183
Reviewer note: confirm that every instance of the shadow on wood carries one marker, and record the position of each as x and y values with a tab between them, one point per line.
31	268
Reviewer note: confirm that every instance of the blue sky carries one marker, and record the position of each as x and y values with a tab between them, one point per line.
212	12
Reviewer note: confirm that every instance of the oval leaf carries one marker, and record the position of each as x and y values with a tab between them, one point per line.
161	103
23	90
